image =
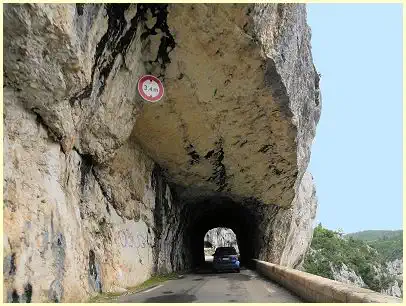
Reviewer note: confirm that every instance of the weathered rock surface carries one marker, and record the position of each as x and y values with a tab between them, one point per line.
68	64
292	229
394	289
241	102
101	190
348	276
394	270
63	236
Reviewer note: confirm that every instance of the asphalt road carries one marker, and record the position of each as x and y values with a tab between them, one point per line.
246	286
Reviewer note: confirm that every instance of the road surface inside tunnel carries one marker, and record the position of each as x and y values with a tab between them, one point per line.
203	286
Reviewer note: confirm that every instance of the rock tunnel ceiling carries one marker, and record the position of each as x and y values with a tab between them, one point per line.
226	123
228	145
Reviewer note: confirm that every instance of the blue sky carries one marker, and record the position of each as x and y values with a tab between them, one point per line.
357	153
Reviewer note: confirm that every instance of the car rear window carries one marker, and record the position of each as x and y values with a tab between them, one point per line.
226	251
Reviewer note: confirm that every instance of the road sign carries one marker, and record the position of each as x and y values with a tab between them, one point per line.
150	88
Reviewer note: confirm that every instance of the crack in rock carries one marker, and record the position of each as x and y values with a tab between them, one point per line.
167	42
219	170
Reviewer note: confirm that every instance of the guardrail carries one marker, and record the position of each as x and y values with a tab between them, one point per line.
314	288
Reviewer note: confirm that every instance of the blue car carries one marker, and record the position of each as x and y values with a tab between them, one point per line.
226	258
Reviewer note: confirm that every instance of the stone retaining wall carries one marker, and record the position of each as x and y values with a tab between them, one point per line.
315	288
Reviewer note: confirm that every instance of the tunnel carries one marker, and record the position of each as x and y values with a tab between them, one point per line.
221	211
195	211
183	216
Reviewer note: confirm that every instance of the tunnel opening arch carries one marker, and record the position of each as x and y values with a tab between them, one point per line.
219	237
221	211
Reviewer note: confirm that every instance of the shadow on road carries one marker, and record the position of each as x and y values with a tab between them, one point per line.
172	298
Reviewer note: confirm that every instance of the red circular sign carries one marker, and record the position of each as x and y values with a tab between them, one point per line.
150	88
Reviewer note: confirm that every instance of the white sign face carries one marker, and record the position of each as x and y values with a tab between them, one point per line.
150	88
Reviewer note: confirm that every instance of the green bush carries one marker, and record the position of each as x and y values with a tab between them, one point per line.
331	249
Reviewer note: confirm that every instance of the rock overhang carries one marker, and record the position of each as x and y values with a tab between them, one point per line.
231	121
241	93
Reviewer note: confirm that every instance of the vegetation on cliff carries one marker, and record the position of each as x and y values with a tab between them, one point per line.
331	250
388	243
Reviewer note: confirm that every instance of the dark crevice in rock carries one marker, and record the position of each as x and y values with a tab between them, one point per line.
40	121
277	171
79	8
104	229
219	170
15	297
168	231
243	143
38	118
13	266
94	272
265	148
83	94
167	44
173	254
59	242
158	184
209	154
113	40
28	293
167	223
195	157
86	166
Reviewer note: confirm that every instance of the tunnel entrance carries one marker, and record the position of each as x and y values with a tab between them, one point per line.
220	213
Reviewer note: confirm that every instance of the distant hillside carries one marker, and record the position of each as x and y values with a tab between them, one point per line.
388	243
374	262
372	235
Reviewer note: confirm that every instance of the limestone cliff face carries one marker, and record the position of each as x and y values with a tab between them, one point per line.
101	189
290	231
65	234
